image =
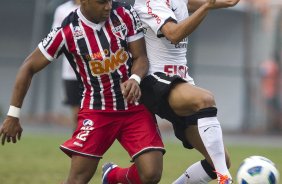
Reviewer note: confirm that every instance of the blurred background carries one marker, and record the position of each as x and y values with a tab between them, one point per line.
236	53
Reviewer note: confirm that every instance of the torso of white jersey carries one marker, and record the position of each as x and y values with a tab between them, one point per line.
163	55
60	14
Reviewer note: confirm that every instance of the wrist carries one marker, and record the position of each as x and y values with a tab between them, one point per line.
136	78
208	6
14	111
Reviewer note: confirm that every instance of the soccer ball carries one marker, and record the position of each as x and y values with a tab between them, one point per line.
257	170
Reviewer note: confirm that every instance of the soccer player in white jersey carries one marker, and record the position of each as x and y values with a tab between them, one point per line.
170	92
105	46
71	85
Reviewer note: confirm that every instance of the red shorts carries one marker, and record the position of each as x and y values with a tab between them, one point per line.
136	129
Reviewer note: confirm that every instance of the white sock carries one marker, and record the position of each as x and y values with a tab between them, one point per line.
211	134
195	174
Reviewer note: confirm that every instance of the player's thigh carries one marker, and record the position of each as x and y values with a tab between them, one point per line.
140	132
150	164
186	99
82	168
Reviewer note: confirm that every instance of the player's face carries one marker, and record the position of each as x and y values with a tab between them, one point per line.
96	10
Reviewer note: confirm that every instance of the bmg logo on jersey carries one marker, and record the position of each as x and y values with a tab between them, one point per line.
109	64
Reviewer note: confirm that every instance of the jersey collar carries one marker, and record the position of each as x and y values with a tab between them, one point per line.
89	23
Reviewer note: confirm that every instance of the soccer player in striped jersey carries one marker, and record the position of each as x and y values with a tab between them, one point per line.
104	44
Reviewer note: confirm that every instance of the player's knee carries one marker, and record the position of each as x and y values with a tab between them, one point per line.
151	177
79	178
206	100
202	101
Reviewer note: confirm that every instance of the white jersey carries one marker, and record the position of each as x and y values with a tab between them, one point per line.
60	13
163	55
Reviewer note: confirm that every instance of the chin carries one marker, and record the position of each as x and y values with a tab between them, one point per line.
104	19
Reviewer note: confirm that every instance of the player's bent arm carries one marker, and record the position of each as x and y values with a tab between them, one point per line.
140	66
193	5
139	55
175	32
32	64
11	129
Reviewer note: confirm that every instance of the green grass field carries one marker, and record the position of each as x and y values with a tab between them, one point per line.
37	159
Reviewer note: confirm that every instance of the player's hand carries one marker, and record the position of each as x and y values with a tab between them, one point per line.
10	130
215	4
131	90
227	3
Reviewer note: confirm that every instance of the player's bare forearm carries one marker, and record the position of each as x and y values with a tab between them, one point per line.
193	5
175	32
21	86
140	66
139	55
130	88
34	63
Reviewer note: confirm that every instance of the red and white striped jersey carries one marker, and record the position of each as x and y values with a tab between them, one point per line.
98	53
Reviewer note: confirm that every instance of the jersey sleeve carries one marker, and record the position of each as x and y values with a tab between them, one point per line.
51	46
134	24
154	13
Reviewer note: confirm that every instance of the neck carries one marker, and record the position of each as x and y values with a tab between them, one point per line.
90	18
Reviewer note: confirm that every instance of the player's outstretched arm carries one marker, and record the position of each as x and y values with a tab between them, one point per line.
11	129
193	5
175	32
130	88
